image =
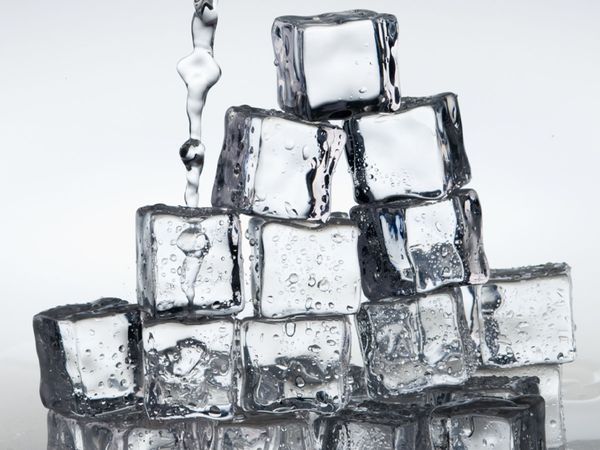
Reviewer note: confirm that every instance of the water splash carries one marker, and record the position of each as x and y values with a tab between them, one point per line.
194	243
200	72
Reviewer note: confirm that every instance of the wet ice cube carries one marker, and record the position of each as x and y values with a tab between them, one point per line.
549	379
265	434
276	165
356	374
501	387
89	358
374	427
412	344
305	267
526	317
189	260
489	423
409	246
189	368
332	65
298	364
125	432
355	435
416	152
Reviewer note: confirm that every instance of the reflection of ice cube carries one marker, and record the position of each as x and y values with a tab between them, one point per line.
305	268
416	152
276	165
409	246
526	317
189	260
189	368
89	356
412	344
490	423
550	388
294	365
316	55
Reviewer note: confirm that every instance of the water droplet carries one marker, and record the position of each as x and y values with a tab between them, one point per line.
290	328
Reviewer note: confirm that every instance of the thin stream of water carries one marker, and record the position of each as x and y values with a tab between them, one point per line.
200	72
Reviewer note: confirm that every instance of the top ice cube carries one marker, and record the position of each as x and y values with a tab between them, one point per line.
334	65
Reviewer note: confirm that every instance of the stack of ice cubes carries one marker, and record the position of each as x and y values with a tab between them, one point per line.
381	329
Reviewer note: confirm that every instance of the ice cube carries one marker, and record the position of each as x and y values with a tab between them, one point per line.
89	358
356	374
412	344
265	434
416	152
484	386
189	260
305	267
526	317
298	364
409	246
189	368
550	388
336	64
489	423
131	431
275	165
374	427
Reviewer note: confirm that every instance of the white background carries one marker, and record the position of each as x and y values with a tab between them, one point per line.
92	116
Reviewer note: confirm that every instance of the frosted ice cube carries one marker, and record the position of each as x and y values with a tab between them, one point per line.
276	165
189	260
332	65
489	423
412	344
298	364
265	434
189	368
526	317
416	152
409	246
129	431
549	379
305	268
89	358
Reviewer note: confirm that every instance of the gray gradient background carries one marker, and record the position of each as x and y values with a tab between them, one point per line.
92	116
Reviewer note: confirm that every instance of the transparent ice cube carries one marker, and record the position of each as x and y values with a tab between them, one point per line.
129	431
189	368
276	165
305	267
489	423
298	364
262	433
375	426
189	260
549	379
89	358
409	246
416	152
526	317
356	374
412	344
332	65
501	387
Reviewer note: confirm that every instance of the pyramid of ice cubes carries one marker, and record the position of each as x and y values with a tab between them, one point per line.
382	329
